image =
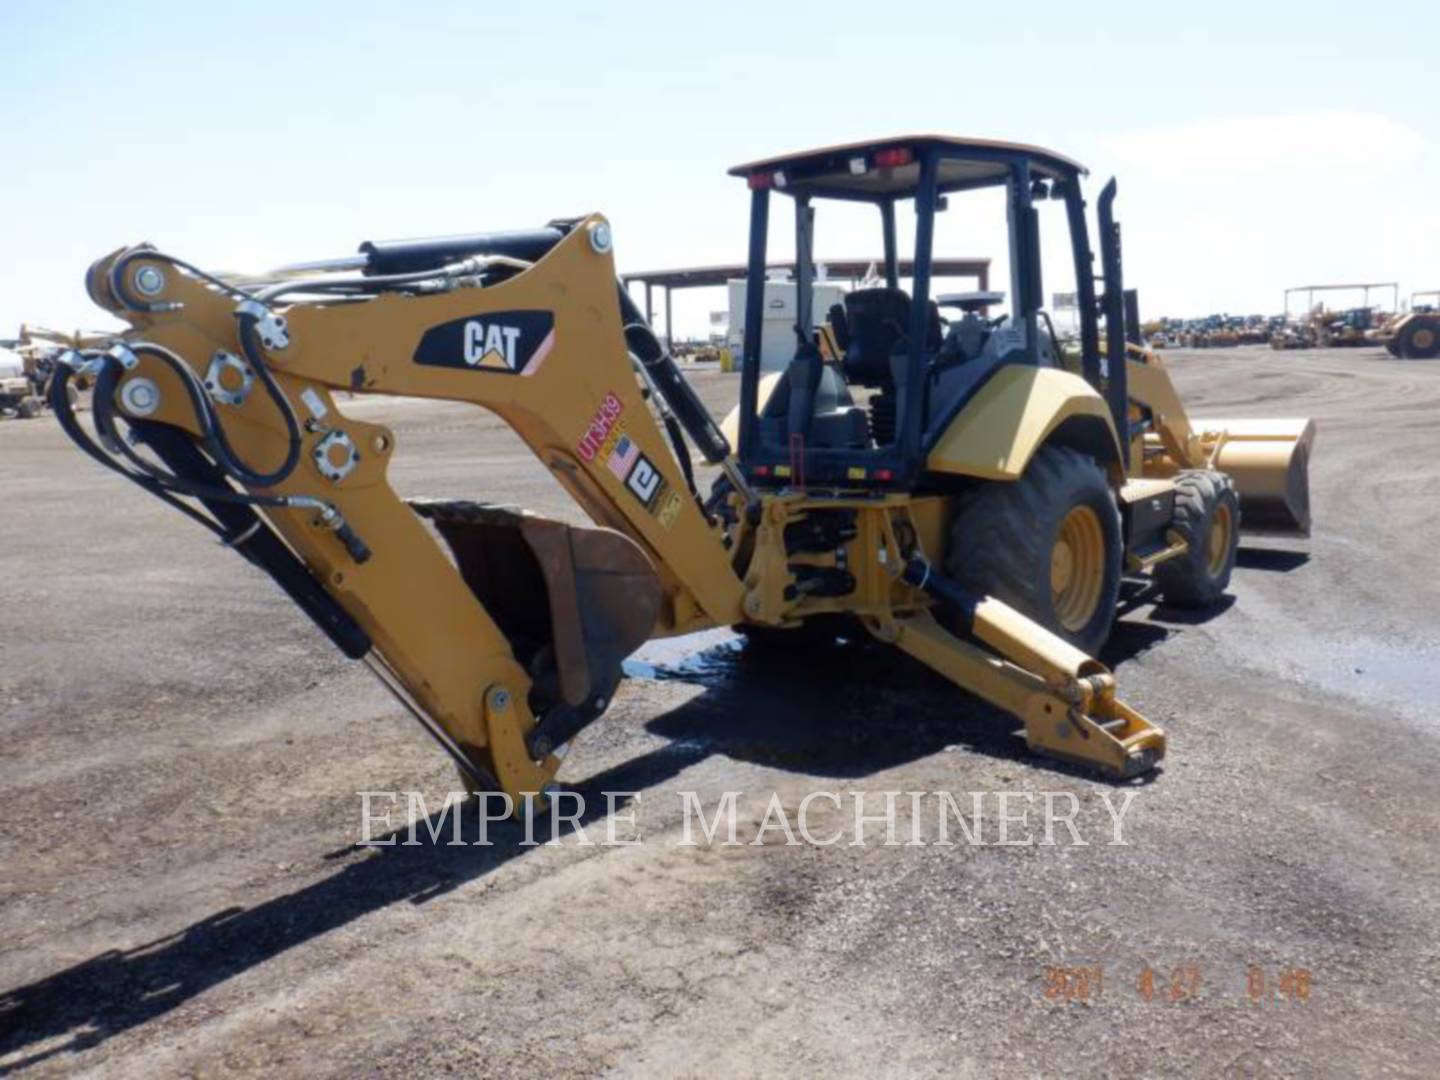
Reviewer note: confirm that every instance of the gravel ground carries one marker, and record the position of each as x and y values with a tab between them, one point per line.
180	756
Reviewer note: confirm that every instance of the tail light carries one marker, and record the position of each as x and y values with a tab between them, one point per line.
894	157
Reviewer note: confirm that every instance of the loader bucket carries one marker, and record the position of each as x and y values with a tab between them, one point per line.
573	601
1269	460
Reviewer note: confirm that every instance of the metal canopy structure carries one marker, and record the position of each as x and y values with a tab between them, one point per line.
887	169
699	277
1311	290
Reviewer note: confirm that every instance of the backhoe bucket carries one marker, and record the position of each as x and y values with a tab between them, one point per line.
1269	460
573	601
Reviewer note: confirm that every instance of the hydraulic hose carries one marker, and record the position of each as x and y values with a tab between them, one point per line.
250	346
661	368
122	291
217	442
238	526
164	484
65	414
248	533
103	409
212	432
363	285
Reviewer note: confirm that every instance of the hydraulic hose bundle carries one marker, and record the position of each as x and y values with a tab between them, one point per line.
207	470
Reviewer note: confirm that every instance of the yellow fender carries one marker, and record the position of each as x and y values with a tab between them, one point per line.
1015	413
730	426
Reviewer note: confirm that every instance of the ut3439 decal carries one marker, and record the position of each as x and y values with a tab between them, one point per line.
605	440
505	342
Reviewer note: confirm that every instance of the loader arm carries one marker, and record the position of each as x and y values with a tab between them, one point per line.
1269	460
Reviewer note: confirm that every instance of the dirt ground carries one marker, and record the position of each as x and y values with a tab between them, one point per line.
180	757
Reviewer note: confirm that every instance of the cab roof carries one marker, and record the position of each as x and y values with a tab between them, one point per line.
879	169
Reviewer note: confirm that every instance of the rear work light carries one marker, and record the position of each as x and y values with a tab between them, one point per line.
889	159
761	180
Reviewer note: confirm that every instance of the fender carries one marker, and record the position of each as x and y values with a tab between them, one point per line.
730	426
1017	411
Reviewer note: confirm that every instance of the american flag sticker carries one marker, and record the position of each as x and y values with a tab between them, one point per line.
623	457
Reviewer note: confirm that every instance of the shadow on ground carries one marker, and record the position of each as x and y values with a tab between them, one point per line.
856	710
1273	559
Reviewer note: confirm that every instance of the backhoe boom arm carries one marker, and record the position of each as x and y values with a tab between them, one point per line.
541	345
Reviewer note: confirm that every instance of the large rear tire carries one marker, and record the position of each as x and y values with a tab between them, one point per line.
1420	339
1048	544
1207	515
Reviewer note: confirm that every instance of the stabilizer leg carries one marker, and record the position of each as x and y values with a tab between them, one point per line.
1066	699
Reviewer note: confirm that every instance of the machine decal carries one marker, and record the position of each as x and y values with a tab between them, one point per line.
645	481
623	457
314	402
507	342
1010	338
606	440
606	417
669	509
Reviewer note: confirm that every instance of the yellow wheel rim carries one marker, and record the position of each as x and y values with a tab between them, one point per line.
1217	545
1077	568
1423	338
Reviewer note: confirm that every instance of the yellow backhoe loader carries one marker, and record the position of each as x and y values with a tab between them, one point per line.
941	476
1414	334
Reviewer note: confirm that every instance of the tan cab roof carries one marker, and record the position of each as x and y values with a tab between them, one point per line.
900	180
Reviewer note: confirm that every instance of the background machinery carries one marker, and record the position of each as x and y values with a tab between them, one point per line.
940	476
19	396
1323	328
27	362
1415	334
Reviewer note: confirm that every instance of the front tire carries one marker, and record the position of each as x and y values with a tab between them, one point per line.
1207	515
1048	544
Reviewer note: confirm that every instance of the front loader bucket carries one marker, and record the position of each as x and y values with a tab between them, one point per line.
1269	460
573	601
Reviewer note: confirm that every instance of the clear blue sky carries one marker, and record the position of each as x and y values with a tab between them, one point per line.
1258	145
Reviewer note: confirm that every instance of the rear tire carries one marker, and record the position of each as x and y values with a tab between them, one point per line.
1048	544
1207	515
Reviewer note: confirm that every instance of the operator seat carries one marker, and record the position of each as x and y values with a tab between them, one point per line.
877	328
878	351
878	322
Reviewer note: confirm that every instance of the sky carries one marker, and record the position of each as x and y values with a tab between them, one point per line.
1257	145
